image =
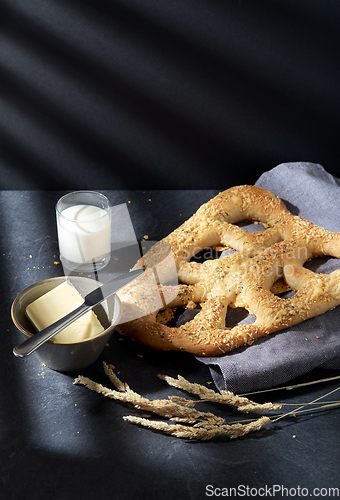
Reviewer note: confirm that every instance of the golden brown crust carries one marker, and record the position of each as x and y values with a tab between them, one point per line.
243	279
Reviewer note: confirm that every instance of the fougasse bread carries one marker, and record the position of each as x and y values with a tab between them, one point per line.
245	278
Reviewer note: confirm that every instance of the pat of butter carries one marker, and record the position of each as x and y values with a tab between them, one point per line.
54	305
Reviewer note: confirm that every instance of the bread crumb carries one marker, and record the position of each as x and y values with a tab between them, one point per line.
191	305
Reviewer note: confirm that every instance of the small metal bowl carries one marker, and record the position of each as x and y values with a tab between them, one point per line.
68	356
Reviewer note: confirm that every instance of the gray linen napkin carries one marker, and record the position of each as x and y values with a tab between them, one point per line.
309	191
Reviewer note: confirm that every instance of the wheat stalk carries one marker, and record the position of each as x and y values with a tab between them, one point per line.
198	424
225	397
188	422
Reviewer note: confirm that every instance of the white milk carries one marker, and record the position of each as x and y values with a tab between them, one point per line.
84	233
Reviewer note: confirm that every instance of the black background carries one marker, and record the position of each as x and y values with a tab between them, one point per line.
165	94
150	95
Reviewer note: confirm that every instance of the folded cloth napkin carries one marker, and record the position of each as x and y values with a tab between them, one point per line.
310	192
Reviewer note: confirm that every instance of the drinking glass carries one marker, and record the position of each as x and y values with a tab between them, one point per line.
84	230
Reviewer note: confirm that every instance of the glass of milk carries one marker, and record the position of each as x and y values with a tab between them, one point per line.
84	230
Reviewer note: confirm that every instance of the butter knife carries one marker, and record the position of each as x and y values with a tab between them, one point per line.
91	300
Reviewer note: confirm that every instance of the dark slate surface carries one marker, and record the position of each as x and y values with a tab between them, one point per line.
60	441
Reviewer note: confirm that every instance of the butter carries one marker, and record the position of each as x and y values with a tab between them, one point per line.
54	305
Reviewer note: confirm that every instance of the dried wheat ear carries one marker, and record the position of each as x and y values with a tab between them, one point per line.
187	421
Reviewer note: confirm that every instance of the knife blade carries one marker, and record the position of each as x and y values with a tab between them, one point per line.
91	300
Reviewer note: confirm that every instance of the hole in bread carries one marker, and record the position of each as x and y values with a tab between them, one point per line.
235	316
206	254
175	317
280	287
186	315
238	316
252	226
324	264
287	295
